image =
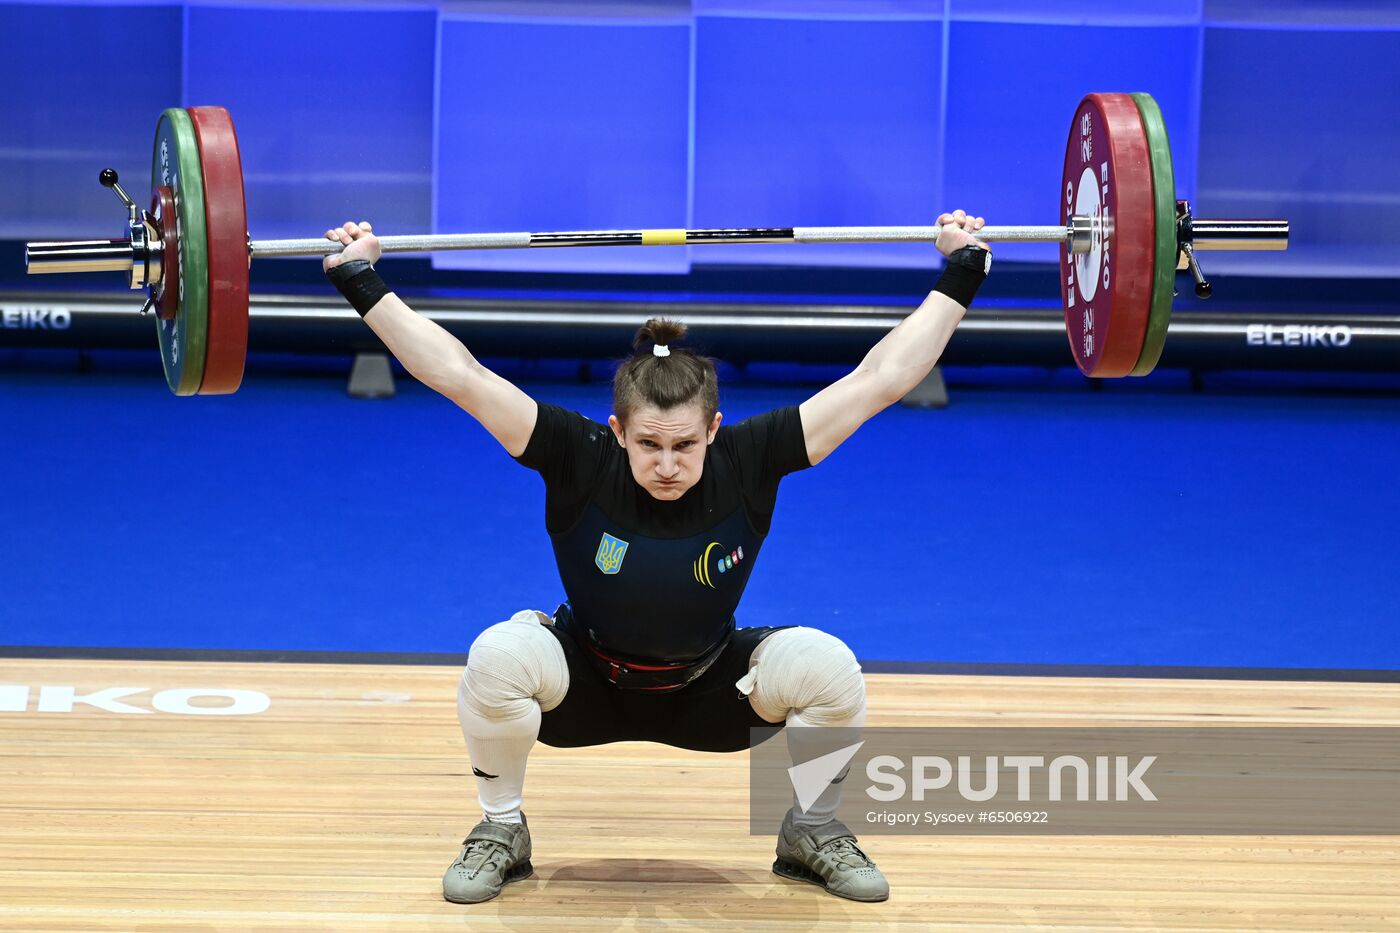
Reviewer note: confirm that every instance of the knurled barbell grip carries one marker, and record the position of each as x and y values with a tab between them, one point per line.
413	243
470	241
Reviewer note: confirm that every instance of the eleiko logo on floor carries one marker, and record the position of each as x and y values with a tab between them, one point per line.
14	698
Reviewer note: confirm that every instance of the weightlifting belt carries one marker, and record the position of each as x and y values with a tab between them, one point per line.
651	674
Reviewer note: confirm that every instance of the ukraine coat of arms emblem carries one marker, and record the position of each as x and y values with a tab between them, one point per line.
610	553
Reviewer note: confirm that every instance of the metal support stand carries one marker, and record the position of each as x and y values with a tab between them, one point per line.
371	377
932	392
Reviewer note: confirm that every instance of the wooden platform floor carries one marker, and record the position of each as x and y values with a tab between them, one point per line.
339	807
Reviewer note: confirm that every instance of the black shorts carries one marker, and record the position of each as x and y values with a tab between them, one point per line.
707	715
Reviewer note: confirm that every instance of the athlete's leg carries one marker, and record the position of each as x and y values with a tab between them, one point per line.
515	670
812	682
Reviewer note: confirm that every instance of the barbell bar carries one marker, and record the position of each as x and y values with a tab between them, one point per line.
124	256
1122	236
116	255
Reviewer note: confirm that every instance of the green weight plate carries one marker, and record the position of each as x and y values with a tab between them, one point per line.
175	164
1164	257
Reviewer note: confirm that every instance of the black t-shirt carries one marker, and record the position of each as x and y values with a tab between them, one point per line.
648	578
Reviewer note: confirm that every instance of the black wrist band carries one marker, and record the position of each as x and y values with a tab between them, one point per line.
964	274
359	283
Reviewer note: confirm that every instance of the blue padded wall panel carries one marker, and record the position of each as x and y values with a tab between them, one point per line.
1312	15
325	136
563	125
822	9
817	122
1079	13
1276	140
84	87
1007	126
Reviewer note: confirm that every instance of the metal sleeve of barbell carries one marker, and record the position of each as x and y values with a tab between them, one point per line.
1211	234
660	237
78	256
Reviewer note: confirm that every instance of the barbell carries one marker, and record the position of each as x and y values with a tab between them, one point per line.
1122	236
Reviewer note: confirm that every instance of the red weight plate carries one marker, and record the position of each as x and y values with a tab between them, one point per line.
167	299
1108	179
227	219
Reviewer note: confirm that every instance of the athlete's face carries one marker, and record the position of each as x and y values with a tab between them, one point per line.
666	448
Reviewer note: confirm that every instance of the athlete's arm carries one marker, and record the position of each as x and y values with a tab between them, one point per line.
436	358
896	364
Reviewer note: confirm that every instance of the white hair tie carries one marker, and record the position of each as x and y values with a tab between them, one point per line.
660	349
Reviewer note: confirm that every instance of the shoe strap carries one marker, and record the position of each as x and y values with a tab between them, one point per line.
835	841
830	832
502	833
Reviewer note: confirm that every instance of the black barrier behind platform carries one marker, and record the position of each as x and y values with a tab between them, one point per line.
738	333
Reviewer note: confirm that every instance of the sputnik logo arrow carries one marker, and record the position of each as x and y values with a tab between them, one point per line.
811	778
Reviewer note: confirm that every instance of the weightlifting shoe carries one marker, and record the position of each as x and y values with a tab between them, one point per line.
493	855
828	856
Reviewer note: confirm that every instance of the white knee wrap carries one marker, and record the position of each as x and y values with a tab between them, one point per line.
512	665
808	672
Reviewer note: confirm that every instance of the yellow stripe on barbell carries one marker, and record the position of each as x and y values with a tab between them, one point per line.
663	237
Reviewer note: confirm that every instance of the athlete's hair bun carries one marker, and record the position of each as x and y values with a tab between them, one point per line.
664	379
658	330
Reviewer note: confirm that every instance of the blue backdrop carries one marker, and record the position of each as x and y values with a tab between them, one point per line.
555	115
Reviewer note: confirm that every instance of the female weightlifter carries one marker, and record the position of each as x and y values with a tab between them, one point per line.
657	519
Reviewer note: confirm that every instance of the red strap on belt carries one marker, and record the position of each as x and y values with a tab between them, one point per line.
614	666
635	667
